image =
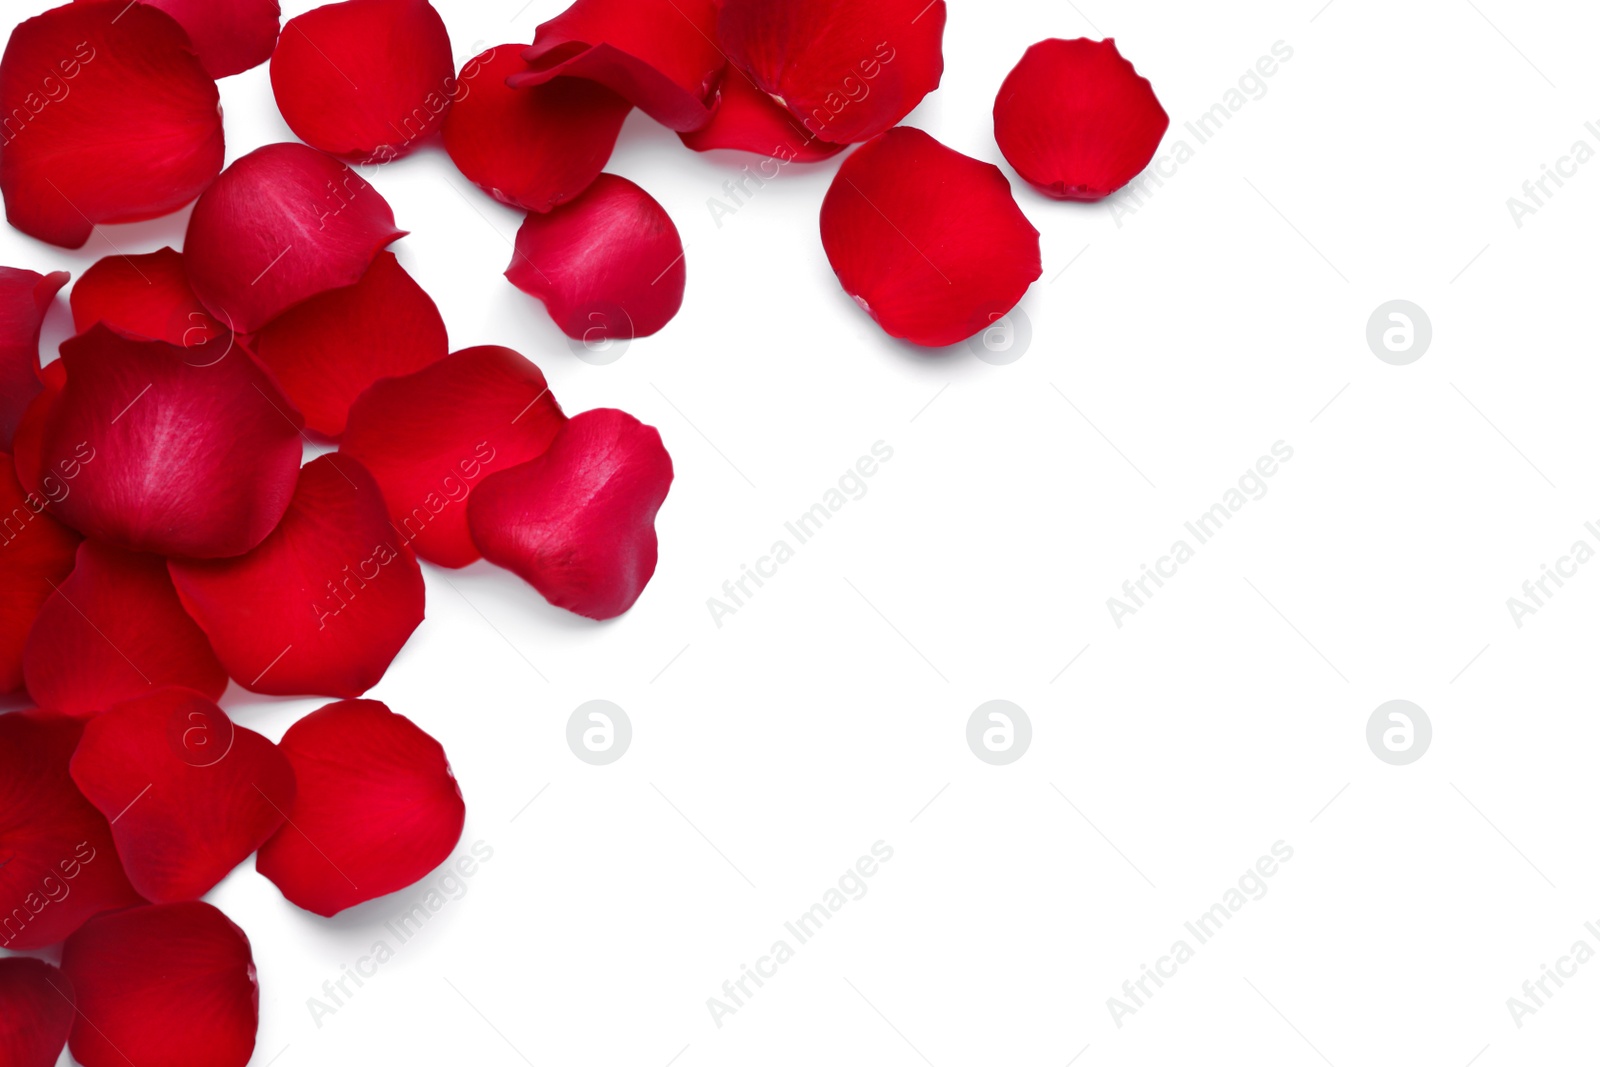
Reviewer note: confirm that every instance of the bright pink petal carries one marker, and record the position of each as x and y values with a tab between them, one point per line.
24	296
430	437
324	603
578	522
231	36
106	116
36	555
113	630
849	70
367	80
165	985
326	351
751	121
378	808
58	867
36	1012
608	265
1076	119
928	241
281	225
192	794
531	148
659	54
145	296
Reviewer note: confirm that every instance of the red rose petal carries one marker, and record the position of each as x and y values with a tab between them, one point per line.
29	439
165	985
36	1012
608	265
324	603
112	630
749	120
848	70
531	148
192	794
928	241
326	351
58	867
36	555
281	225
578	523
144	296
230	37
377	808
24	296
429	437
1076	119
108	116
659	54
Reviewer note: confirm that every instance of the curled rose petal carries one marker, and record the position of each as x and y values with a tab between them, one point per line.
36	555
324	603
145	296
608	265
24	296
928	241
281	225
430	437
112	630
848	70
230	37
377	809
106	116
1076	119
531	148
164	985
326	351
749	120
60	866
192	794
578	522
659	54
36	1012
367	80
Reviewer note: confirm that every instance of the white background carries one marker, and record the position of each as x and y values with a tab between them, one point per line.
1172	346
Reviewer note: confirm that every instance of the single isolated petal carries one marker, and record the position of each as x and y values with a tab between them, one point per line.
608	265
1076	119
173	457
430	437
192	794
749	120
281	225
165	985
60	867
326	351
848	70
659	54
367	80
36	555
928	241
24	296
230	37
578	523
324	603
106	115
377	809
36	1012
531	148
145	296
112	630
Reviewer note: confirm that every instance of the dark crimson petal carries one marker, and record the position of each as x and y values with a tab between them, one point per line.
144	296
849	70
578	523
367	80
1076	119
531	148
326	351
29	439
608	265
36	555
928	241
324	603
378	808
24	296
36	1012
58	867
173	456
192	794
106	116
165	985
748	119
429	437
659	54
112	630
281	225
231	36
